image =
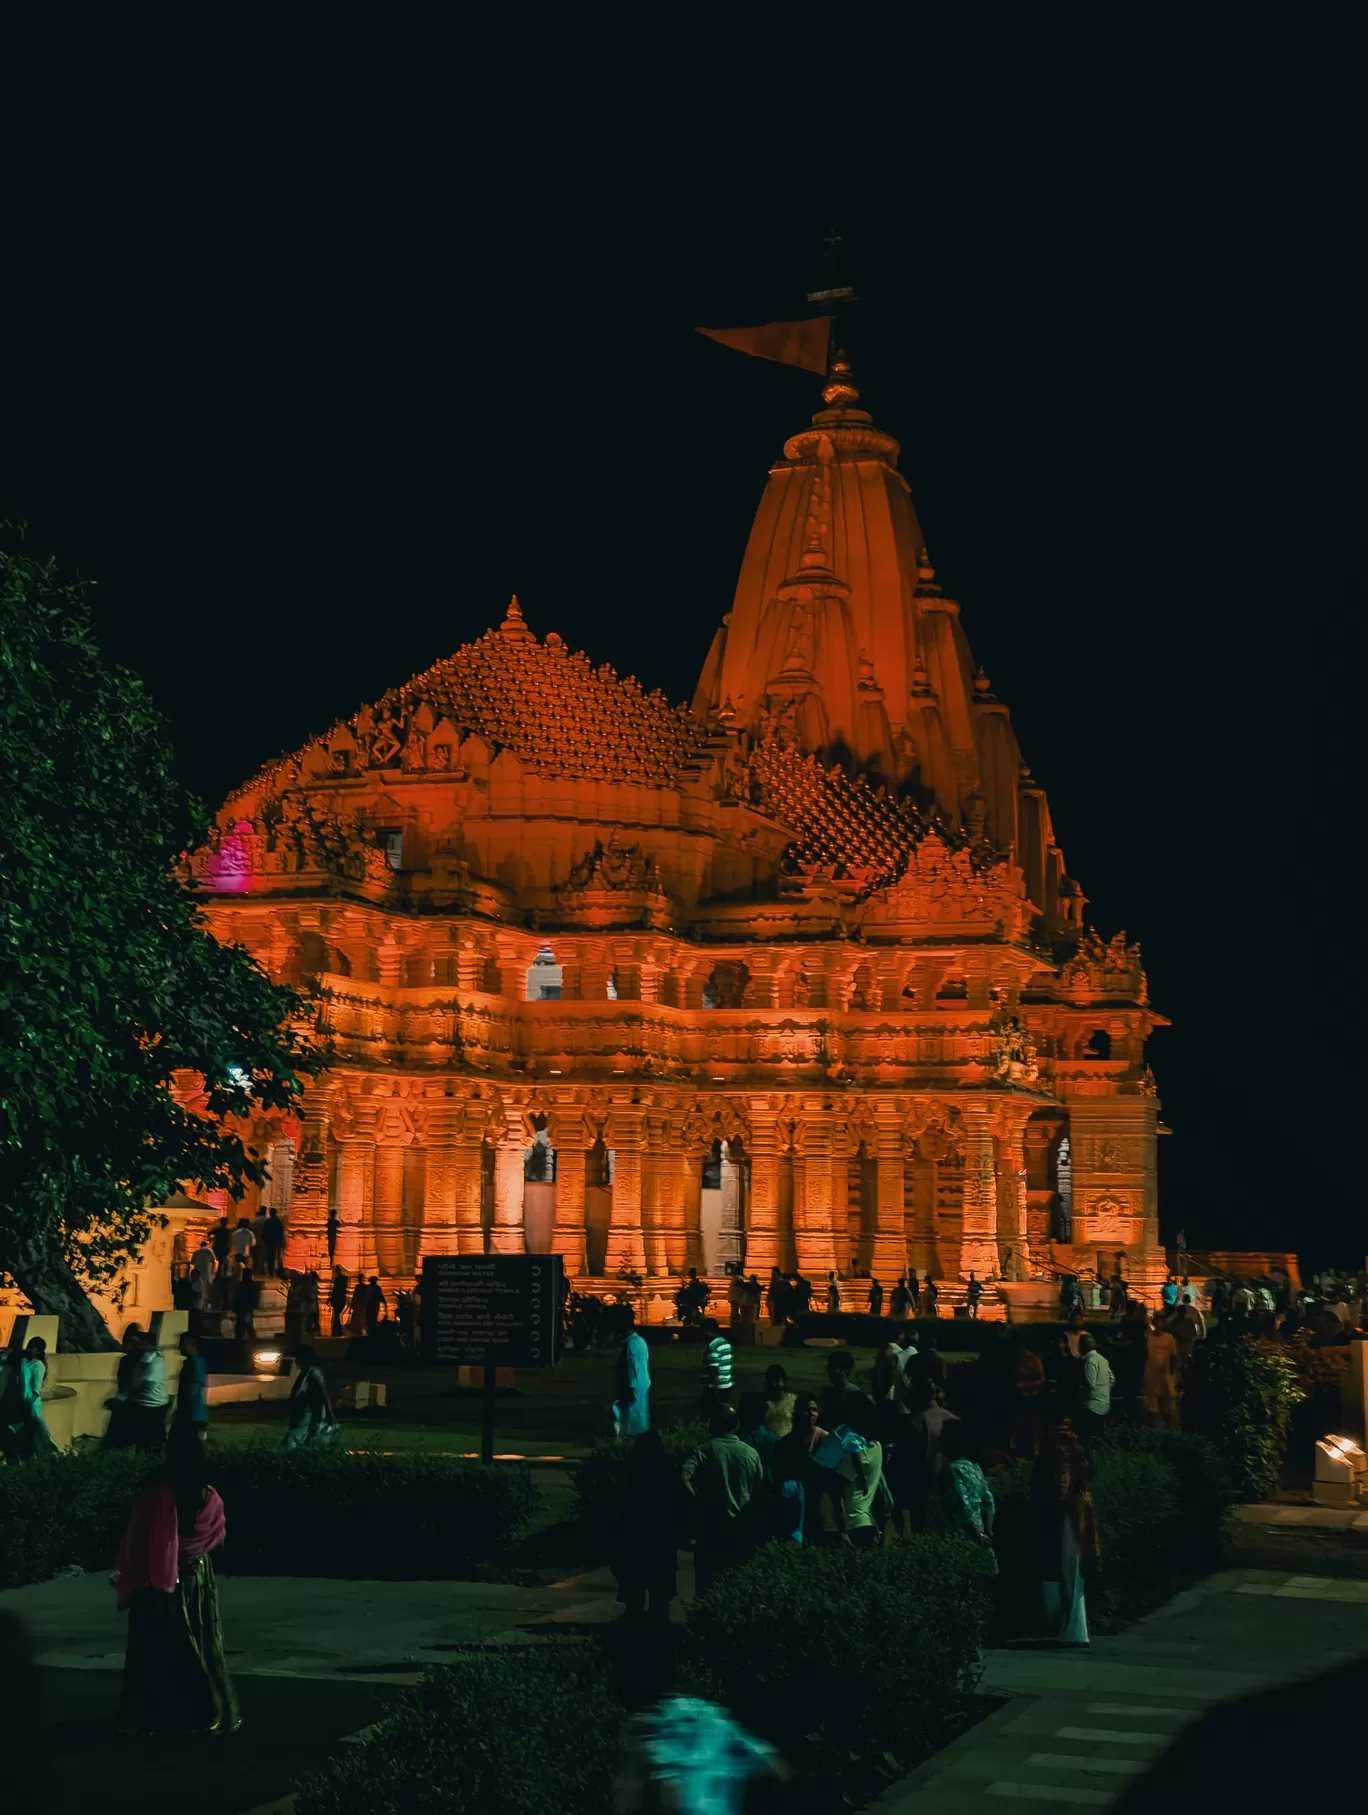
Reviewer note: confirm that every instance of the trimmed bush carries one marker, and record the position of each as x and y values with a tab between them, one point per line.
1162	1500
497	1733
1240	1395
855	1664
301	1512
598	1478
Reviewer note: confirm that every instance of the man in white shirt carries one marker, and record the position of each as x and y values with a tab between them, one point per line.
1097	1387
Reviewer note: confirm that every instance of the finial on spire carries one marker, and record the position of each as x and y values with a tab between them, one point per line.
983	687
925	571
840	390
514	624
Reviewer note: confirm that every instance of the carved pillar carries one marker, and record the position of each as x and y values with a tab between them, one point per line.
1013	1233
451	1211
687	1240
388	1210
355	1248
889	1258
662	1201
762	1223
978	1241
507	1236
568	1237
306	1220
626	1136
820	1192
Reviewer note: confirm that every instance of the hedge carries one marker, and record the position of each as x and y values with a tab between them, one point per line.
300	1512
497	1732
856	1664
1240	1395
1162	1500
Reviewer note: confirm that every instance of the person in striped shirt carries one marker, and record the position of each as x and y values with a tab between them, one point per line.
717	1367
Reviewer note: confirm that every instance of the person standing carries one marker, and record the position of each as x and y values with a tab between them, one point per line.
1097	1387
963	1505
865	1470
356	1322
717	1368
1169	1293
192	1392
337	1299
632	1406
779	1402
1159	1384
900	1300
312	1419
203	1267
222	1243
930	1298
1066	1532
646	1548
120	1431
243	1241
833	1294
841	1391
800	1300
973	1292
245	1300
876	1299
27	1436
375	1304
175	1679
723	1476
1188	1330
273	1243
148	1396
774	1296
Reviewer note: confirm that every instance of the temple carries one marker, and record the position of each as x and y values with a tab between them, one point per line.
791	975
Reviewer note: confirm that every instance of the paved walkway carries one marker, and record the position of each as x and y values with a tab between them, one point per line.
1080	1725
288	1626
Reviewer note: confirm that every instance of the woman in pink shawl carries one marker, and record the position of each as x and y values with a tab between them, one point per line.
175	1676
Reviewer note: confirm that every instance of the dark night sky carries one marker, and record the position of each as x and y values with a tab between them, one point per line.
309	386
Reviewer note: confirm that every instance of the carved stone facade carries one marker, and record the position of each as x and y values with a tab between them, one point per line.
793	976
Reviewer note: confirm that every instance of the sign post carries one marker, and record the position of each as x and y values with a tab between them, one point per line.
491	1310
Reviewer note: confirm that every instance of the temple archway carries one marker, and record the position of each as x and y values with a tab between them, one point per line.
598	1208
539	1190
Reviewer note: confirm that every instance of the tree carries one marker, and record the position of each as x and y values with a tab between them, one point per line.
110	982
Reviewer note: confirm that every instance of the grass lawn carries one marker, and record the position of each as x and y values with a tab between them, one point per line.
558	1411
290	1725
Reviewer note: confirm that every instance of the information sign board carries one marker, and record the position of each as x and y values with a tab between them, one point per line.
503	1309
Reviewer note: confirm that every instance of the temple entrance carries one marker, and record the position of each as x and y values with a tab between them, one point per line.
539	1192
598	1208
721	1211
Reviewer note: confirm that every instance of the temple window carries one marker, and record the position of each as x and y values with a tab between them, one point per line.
313	954
726	987
544	977
712	1168
419	969
539	1160
612	986
1099	1045
391	841
954	989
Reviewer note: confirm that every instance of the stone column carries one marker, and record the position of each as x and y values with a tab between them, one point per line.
306	1221
568	1237
978	1240
451	1210
626	1249
684	1245
661	1198
889	1259
762	1223
507	1235
819	1187
388	1211
355	1196
1014	1245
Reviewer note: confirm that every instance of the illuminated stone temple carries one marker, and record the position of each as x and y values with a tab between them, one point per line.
791	974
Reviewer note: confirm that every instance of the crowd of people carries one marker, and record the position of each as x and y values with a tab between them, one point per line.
873	1458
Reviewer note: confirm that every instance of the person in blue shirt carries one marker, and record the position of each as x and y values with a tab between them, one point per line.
192	1391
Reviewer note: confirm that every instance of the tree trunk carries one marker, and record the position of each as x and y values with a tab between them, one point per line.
50	1286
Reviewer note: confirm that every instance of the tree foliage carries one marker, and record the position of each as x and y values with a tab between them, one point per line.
110	981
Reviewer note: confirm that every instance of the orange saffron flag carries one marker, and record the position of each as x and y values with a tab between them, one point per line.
792	343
